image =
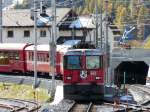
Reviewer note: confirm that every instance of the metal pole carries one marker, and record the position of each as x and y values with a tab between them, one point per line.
96	13
124	80
41	4
106	39
101	25
73	19
53	46
1	20
35	45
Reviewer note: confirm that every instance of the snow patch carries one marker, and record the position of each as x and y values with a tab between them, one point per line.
58	95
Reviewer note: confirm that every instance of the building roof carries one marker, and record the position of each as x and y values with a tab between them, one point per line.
22	17
82	22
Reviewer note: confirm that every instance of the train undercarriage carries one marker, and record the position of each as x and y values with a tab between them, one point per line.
84	92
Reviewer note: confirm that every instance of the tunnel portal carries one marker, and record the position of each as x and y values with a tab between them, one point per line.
131	72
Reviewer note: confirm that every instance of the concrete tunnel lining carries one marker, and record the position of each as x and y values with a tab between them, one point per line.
135	72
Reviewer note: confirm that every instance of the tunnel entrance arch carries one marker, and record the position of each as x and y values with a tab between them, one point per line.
133	72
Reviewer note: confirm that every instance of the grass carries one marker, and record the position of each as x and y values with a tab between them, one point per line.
23	92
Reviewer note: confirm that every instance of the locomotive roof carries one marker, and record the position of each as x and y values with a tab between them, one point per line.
45	47
63	48
87	51
12	46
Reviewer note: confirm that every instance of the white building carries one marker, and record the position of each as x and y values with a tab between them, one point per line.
18	26
81	28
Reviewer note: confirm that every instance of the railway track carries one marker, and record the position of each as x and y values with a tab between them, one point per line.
108	107
15	105
77	107
73	106
104	107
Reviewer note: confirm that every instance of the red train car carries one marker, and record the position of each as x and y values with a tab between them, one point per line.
12	57
83	74
19	57
43	59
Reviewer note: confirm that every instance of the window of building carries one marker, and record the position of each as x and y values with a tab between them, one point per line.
10	34
43	33
26	33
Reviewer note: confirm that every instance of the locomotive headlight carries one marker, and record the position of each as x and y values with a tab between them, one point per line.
69	77
97	78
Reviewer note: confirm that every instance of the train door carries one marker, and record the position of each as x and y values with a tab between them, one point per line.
15	60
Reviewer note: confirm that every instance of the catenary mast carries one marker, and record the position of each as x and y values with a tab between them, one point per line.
53	46
1	20
35	44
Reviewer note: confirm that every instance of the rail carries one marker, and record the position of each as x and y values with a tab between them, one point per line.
15	105
72	107
89	107
81	107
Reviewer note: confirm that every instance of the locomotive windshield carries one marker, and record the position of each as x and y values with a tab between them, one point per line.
92	62
72	62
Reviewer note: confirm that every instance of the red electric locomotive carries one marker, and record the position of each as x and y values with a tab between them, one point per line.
83	74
